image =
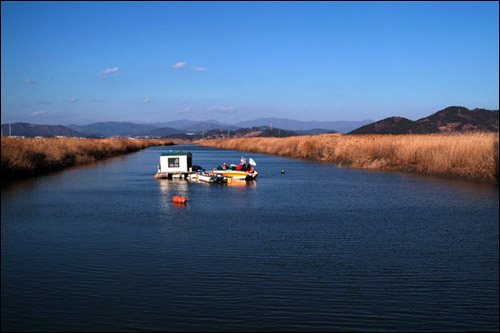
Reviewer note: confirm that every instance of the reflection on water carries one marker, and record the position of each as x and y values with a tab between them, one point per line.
317	248
178	186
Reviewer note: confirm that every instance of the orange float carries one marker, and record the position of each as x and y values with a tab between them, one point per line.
178	199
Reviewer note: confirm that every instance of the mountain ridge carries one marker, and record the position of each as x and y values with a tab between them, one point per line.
448	120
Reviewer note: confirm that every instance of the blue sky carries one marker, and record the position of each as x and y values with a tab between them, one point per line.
83	62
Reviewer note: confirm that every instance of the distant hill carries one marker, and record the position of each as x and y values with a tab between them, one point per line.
263	131
165	131
296	125
113	128
32	130
451	119
196	126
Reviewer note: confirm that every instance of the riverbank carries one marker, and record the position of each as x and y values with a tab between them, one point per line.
29	157
469	156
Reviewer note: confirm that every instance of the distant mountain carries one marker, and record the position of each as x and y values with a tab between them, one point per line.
296	125
263	131
392	125
168	129
175	124
451	119
112	128
207	126
164	131
33	130
196	126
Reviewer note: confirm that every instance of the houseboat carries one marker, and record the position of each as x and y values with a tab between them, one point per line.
175	164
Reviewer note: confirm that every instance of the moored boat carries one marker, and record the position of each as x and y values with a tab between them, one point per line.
243	171
237	175
211	177
205	177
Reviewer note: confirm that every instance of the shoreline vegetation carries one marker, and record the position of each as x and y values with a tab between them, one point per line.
468	156
27	157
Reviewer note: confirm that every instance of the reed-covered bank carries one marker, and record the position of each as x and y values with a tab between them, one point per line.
31	157
470	156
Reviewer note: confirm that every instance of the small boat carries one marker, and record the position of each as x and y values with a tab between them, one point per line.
243	171
237	175
205	177
212	177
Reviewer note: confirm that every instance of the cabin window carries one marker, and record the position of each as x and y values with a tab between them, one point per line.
173	162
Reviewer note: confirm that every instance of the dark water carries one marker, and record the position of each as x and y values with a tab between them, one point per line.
318	248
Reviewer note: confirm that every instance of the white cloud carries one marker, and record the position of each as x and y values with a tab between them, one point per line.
38	113
199	69
28	81
146	100
180	64
221	109
109	72
72	100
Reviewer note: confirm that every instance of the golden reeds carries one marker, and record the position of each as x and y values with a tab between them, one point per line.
471	156
29	157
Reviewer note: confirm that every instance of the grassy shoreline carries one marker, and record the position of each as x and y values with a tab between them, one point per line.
468	156
26	157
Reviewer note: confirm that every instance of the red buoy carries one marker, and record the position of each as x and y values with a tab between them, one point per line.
178	199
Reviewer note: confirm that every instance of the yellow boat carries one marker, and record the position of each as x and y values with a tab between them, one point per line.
237	175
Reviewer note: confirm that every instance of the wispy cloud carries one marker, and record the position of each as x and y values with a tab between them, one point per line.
199	69
28	81
109	72
184	110
38	113
146	101
72	100
180	64
221	109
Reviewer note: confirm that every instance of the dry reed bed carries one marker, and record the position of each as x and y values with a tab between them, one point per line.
470	156
31	157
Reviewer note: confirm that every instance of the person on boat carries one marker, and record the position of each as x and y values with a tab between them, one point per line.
249	167
224	166
238	167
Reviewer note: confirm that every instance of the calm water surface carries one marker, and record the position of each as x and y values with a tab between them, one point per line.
103	248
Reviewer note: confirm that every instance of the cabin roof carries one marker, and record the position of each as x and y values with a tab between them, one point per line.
175	153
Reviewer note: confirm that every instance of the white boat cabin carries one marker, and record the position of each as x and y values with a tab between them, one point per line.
176	162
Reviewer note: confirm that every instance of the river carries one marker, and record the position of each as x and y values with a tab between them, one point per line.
317	248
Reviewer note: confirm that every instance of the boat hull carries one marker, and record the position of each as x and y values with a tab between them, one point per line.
237	175
206	178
